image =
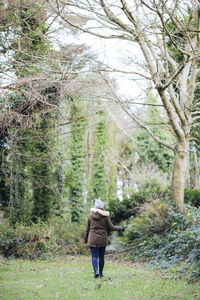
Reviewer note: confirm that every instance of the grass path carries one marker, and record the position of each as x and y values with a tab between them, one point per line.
72	279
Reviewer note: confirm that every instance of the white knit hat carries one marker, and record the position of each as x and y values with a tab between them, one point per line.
99	203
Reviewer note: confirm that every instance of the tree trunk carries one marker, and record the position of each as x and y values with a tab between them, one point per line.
179	173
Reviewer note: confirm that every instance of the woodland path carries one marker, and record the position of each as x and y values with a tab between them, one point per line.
71	278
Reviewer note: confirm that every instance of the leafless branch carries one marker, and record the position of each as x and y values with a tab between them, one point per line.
138	121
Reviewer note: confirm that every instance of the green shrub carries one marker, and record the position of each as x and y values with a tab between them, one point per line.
192	196
152	218
26	241
123	210
69	237
162	235
38	240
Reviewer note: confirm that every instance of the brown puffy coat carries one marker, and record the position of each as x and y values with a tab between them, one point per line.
97	225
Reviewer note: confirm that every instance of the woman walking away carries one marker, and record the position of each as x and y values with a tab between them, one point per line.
96	235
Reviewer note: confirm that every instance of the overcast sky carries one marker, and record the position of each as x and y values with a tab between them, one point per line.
112	52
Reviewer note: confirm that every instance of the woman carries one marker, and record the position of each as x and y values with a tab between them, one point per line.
96	235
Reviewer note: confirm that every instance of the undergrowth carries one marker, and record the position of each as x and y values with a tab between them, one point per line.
42	239
163	236
26	241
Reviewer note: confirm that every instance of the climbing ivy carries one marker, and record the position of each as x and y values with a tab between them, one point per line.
4	175
77	158
19	203
111	162
29	133
42	169
97	184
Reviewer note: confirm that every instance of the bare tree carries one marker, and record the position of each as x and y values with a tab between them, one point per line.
168	36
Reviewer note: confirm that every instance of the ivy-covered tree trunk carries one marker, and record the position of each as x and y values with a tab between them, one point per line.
32	189
77	159
19	202
23	46
111	163
42	170
4	176
97	188
43	194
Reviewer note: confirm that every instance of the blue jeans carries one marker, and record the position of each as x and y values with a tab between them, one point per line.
98	252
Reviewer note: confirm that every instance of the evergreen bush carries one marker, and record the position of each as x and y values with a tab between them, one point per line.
160	234
26	241
69	237
123	210
192	196
58	237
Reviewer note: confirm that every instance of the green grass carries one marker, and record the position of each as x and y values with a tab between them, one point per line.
72	279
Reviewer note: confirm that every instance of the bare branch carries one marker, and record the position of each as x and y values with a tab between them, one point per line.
104	36
113	18
144	126
194	119
194	139
139	122
23	80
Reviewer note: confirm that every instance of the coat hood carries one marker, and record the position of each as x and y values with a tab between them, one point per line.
98	213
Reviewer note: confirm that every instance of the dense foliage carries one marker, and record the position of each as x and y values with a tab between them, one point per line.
41	240
77	159
162	235
123	210
192	196
98	174
26	241
28	120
